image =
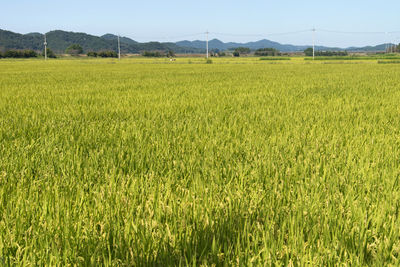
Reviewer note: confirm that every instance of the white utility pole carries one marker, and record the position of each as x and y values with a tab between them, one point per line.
313	44
119	49
207	43
45	47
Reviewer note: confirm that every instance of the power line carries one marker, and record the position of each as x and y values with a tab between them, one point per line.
288	33
345	32
171	37
355	32
237	35
260	35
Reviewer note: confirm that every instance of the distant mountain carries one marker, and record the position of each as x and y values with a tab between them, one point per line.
381	47
11	40
217	44
58	41
34	34
132	46
123	40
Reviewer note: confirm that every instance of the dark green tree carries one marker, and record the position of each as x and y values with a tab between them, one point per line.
242	50
170	53
152	54
20	54
308	52
267	52
50	53
74	49
91	54
107	54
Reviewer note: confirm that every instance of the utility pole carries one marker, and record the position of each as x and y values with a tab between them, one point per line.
119	49
45	47
393	45
387	45
313	45
207	43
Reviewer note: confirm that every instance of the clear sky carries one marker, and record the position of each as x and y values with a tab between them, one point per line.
241	21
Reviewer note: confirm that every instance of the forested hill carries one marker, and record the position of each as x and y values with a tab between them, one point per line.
217	44
58	41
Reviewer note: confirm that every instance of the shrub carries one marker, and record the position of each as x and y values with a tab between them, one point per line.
20	54
275	58
243	50
170	53
74	49
11	54
29	53
92	54
50	53
389	62
309	52
107	54
267	52
152	54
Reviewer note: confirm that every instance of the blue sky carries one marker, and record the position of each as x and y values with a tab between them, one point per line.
239	20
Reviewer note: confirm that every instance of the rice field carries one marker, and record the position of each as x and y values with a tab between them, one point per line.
243	162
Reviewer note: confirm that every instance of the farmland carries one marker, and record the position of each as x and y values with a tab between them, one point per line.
240	162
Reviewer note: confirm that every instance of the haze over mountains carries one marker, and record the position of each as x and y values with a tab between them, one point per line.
59	40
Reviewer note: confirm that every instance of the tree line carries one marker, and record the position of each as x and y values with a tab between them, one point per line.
103	54
262	52
309	53
168	53
25	54
19	54
76	49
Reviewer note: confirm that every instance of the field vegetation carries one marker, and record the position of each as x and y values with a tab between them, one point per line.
275	58
356	57
243	162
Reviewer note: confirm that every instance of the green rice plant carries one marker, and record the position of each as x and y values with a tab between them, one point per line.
144	163
275	58
388	61
354	57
